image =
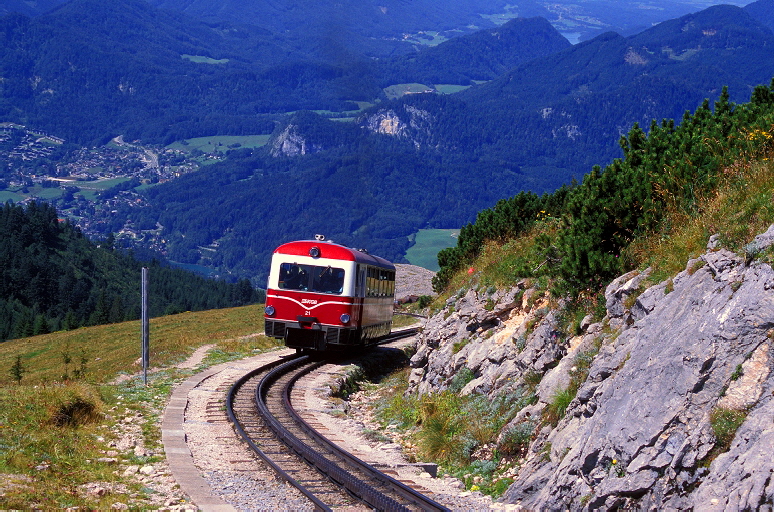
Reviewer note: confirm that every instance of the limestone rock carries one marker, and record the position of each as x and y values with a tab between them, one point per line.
654	388
291	143
638	433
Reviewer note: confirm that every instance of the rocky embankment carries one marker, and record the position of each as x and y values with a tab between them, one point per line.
652	378
412	281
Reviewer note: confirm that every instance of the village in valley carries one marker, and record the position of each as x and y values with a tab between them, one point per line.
89	186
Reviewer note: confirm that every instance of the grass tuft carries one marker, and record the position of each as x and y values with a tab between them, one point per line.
725	423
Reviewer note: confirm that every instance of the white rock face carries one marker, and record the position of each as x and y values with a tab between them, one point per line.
291	143
638	432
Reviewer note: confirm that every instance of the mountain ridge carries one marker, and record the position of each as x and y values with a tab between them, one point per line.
535	127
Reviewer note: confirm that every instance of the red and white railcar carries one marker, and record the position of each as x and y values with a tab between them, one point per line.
324	296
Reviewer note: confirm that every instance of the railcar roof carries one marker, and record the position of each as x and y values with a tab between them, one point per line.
332	251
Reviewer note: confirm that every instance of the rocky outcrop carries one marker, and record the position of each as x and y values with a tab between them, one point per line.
497	335
291	143
639	431
412	281
404	121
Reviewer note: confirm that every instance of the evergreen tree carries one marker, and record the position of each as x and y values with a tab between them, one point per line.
17	370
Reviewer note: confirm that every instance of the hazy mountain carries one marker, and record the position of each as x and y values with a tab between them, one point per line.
569	109
333	31
337	29
90	70
483	55
763	11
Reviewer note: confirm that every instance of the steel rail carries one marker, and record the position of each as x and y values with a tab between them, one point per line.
415	498
396	335
331	470
415	315
319	504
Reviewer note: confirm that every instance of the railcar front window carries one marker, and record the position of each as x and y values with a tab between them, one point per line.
312	278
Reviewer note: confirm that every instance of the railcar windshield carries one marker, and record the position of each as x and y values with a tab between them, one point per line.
311	278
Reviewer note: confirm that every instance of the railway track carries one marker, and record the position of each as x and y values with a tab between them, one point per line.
260	405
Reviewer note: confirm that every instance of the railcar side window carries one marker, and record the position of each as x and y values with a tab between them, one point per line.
327	279
383	283
371	283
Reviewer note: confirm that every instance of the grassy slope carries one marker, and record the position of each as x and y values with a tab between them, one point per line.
114	349
55	431
221	143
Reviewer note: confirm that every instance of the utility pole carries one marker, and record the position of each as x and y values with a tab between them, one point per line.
145	327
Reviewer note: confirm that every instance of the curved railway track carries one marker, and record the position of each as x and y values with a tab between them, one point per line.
260	405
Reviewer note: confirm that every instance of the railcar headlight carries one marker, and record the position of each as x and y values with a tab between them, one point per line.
345	318
314	252
269	310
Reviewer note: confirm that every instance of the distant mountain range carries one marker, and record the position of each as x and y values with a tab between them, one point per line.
367	27
548	111
568	110
90	70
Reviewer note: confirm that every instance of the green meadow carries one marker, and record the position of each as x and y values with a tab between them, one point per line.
396	91
427	244
201	59
220	143
450	88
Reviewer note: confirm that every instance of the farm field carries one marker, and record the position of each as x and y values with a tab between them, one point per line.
10	196
220	143
100	184
200	59
450	88
396	91
428	243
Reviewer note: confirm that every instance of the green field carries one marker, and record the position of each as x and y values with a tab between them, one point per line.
220	143
398	90
428	243
47	193
100	185
201	59
450	88
90	189
35	191
6	196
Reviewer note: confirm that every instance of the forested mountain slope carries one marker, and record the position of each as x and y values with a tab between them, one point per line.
569	109
372	194
763	11
566	111
483	55
27	8
88	71
53	278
